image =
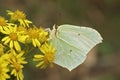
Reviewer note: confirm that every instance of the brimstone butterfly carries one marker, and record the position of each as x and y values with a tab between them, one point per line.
72	44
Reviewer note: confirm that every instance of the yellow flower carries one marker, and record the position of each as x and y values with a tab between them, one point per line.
23	34
3	21
4	67
37	36
19	16
16	62
47	57
43	36
11	37
21	29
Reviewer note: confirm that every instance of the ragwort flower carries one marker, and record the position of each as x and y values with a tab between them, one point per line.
3	21
4	67
36	36
12	37
20	17
16	62
47	57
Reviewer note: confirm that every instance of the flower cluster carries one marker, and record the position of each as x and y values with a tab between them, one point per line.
17	35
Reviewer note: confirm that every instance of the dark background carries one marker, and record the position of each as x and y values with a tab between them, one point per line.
103	62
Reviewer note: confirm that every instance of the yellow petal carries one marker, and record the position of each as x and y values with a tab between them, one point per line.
33	41
17	46
15	28
40	64
5	38
7	30
11	44
4	32
38	56
23	38
37	42
20	54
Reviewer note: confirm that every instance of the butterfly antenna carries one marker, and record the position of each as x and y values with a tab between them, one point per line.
55	27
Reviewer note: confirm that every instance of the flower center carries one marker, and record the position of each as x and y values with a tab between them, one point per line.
49	57
17	66
33	33
18	15
13	36
2	21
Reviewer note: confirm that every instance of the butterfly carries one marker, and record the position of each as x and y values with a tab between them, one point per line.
73	43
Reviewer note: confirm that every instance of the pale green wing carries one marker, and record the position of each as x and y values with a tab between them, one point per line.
73	43
68	56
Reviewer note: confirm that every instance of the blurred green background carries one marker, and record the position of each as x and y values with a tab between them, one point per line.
103	62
